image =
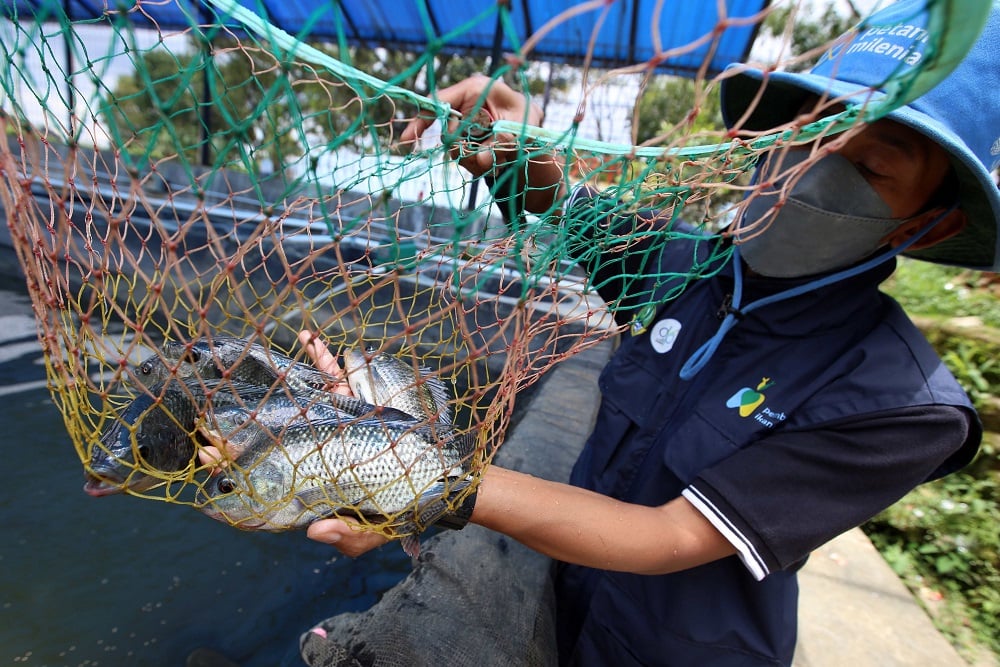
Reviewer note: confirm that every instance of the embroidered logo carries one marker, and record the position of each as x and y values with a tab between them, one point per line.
748	400
663	335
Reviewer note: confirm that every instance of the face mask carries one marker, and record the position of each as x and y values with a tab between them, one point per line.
830	219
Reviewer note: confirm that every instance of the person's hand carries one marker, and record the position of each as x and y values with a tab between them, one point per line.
501	102
324	360
339	533
345	536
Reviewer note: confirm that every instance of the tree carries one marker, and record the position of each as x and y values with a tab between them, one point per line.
248	103
671	105
809	35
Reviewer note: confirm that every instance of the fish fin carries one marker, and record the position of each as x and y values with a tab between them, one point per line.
433	503
350	404
464	445
432	506
324	495
411	546
354	408
313	377
439	394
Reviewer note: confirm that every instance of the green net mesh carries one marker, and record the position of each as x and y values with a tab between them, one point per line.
183	203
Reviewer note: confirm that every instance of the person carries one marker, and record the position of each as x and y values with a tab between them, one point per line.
780	401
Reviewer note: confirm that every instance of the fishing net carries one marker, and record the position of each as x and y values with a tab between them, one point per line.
189	197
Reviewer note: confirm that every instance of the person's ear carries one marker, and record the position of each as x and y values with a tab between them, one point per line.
952	224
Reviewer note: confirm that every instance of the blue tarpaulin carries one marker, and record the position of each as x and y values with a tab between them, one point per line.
622	32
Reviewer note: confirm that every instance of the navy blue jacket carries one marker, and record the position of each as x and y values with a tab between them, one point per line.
799	366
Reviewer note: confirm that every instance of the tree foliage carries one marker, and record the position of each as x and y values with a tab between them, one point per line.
669	104
239	104
808	35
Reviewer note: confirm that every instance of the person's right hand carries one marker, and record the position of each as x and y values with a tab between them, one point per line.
501	102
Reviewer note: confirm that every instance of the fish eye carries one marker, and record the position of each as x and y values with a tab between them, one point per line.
226	485
146	368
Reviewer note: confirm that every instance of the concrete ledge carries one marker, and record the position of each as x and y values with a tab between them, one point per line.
854	610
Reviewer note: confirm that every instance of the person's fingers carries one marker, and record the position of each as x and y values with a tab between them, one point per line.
480	100
212	457
414	130
320	354
324	360
340	534
465	97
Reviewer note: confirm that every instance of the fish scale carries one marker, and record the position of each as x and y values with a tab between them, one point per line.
378	466
372	467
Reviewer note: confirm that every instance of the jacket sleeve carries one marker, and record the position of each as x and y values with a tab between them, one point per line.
785	495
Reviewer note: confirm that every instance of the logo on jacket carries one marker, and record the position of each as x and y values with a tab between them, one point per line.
747	400
663	334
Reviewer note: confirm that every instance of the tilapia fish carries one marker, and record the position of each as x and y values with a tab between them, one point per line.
384	379
225	426
154	432
241	361
371	467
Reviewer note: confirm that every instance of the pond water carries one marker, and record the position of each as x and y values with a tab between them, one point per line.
127	581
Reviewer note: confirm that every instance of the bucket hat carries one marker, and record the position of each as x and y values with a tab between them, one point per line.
961	113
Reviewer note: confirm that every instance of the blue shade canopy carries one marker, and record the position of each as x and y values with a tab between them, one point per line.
631	31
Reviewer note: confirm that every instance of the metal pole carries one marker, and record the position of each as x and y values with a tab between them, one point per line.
68	60
205	109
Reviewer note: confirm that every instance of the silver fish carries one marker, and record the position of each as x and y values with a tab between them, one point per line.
237	358
243	361
384	379
224	426
371	467
153	433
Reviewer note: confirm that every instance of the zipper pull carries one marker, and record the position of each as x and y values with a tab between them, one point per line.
727	309
727	303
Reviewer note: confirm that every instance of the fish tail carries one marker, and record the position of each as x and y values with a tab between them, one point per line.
432	505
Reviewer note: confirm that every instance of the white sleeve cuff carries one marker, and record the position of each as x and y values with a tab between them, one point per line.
744	548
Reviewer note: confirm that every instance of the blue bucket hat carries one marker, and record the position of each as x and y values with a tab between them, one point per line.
961	113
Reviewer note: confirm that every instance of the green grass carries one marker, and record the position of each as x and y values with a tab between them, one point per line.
942	538
943	291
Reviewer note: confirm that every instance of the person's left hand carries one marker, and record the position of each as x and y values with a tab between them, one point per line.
345	535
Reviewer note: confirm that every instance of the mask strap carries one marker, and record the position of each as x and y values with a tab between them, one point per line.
703	354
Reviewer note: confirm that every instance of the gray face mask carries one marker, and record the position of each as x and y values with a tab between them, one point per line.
830	219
